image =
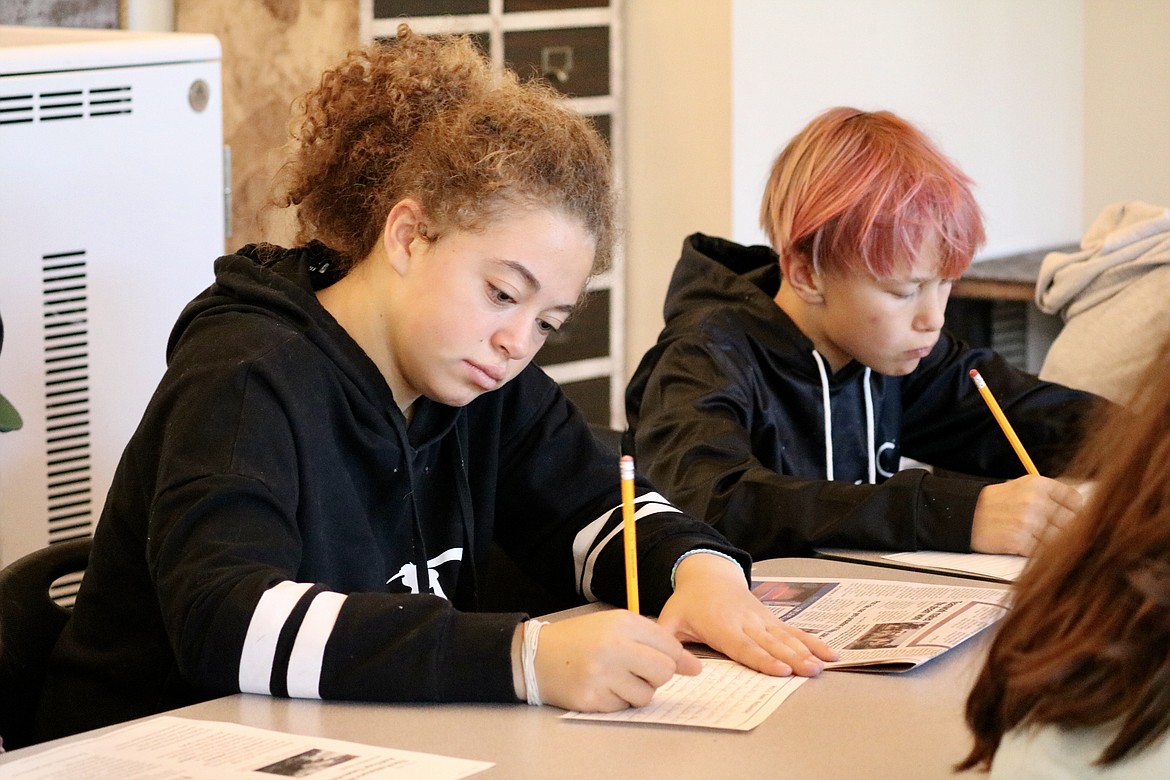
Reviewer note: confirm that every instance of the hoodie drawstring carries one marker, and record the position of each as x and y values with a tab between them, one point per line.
828	415
869	433
469	574
828	412
421	570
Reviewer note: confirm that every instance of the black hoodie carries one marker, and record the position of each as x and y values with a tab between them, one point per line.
270	519
728	413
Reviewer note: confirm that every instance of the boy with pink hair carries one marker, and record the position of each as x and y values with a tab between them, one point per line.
790	381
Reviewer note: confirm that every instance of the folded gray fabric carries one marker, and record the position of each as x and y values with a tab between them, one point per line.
1114	297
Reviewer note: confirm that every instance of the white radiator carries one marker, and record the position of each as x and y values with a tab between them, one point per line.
111	213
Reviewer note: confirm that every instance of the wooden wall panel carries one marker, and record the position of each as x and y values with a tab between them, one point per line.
273	50
100	14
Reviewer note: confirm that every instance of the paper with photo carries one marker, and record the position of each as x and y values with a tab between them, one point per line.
882	625
174	748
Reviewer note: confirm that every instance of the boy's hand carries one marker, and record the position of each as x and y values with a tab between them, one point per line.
1013	517
712	604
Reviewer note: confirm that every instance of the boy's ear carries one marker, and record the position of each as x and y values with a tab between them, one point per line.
802	278
402	233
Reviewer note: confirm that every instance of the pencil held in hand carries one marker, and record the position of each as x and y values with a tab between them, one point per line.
992	404
629	533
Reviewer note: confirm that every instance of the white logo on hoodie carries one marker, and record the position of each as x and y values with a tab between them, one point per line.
409	574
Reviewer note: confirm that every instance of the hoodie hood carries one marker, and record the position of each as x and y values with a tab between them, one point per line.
720	286
268	280
1126	241
713	272
717	282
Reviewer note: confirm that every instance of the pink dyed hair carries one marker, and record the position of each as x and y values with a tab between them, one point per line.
857	190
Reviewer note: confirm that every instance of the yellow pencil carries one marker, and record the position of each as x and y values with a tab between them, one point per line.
992	404
628	532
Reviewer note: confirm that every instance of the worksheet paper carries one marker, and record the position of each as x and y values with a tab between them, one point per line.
999	568
170	747
1002	567
724	695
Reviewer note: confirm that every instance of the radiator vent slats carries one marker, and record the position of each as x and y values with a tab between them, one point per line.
97	102
68	456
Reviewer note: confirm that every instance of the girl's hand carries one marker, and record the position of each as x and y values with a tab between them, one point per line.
607	661
712	604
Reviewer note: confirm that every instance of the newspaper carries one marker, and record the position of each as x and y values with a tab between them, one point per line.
170	748
882	625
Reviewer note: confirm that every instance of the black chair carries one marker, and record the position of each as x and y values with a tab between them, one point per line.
30	622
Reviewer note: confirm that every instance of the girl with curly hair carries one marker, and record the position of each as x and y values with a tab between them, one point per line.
346	426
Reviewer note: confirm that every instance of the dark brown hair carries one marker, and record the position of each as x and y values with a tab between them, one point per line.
857	190
427	118
1087	642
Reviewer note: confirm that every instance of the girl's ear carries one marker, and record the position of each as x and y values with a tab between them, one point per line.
802	278
403	233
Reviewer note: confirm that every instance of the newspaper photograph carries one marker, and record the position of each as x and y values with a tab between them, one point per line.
882	625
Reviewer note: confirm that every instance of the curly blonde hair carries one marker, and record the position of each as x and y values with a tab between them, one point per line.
427	118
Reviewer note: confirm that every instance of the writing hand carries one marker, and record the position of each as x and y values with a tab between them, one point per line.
1014	516
607	661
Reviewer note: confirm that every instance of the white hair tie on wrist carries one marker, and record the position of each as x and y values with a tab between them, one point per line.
528	659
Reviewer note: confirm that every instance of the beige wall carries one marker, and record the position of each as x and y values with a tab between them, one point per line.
1127	103
678	146
997	84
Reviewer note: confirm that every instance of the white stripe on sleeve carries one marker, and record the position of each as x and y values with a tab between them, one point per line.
587	546
272	610
308	653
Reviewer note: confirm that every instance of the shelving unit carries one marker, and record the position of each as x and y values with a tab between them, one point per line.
576	46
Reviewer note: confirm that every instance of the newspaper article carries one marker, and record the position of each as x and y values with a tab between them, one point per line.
882	625
170	748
